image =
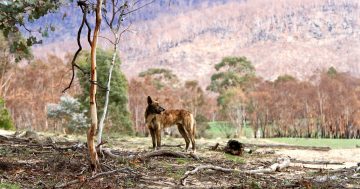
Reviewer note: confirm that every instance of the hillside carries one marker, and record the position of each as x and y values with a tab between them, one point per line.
298	37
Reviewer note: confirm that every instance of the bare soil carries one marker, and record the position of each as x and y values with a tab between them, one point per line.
44	163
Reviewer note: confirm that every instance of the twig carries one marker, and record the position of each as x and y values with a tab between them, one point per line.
214	147
88	179
101	143
109	40
139	7
201	167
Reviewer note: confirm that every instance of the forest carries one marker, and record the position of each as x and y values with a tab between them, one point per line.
327	106
82	121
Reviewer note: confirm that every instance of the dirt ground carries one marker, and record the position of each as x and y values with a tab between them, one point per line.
45	163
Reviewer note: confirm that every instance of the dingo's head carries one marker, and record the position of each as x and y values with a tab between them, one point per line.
153	106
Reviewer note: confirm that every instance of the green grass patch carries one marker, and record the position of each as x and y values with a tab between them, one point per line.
225	129
221	129
177	174
182	160
326	142
236	159
9	186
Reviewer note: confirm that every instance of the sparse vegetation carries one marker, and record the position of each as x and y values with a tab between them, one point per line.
9	186
5	118
236	159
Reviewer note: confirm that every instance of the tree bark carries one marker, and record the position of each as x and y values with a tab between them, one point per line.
101	123
94	164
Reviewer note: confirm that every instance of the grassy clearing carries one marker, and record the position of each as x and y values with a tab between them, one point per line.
9	186
224	129
182	160
332	143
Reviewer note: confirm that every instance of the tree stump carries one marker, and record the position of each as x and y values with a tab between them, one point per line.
234	147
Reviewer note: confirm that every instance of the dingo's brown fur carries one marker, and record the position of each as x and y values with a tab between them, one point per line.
157	118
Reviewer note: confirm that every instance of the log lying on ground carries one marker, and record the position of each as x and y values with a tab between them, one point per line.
281	164
170	145
288	146
148	155
316	162
3	137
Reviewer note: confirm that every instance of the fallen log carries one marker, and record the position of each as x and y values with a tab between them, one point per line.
166	153
3	137
284	146
170	145
316	162
148	155
281	164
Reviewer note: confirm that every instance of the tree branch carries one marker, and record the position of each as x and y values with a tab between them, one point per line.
73	64
109	40
139	7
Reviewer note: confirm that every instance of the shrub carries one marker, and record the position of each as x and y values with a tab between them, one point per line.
69	113
5	118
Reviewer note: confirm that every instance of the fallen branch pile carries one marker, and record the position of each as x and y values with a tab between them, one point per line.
84	179
281	164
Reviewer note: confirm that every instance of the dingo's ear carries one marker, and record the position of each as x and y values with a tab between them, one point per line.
149	100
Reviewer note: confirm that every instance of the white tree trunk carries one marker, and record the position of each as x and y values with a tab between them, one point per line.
102	120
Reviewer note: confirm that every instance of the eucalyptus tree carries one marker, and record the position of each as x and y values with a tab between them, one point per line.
232	80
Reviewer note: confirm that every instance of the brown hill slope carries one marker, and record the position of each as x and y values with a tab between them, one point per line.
297	37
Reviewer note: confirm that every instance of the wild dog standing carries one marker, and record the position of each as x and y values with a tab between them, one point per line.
157	118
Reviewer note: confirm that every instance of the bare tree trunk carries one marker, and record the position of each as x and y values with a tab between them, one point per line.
95	166
101	123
